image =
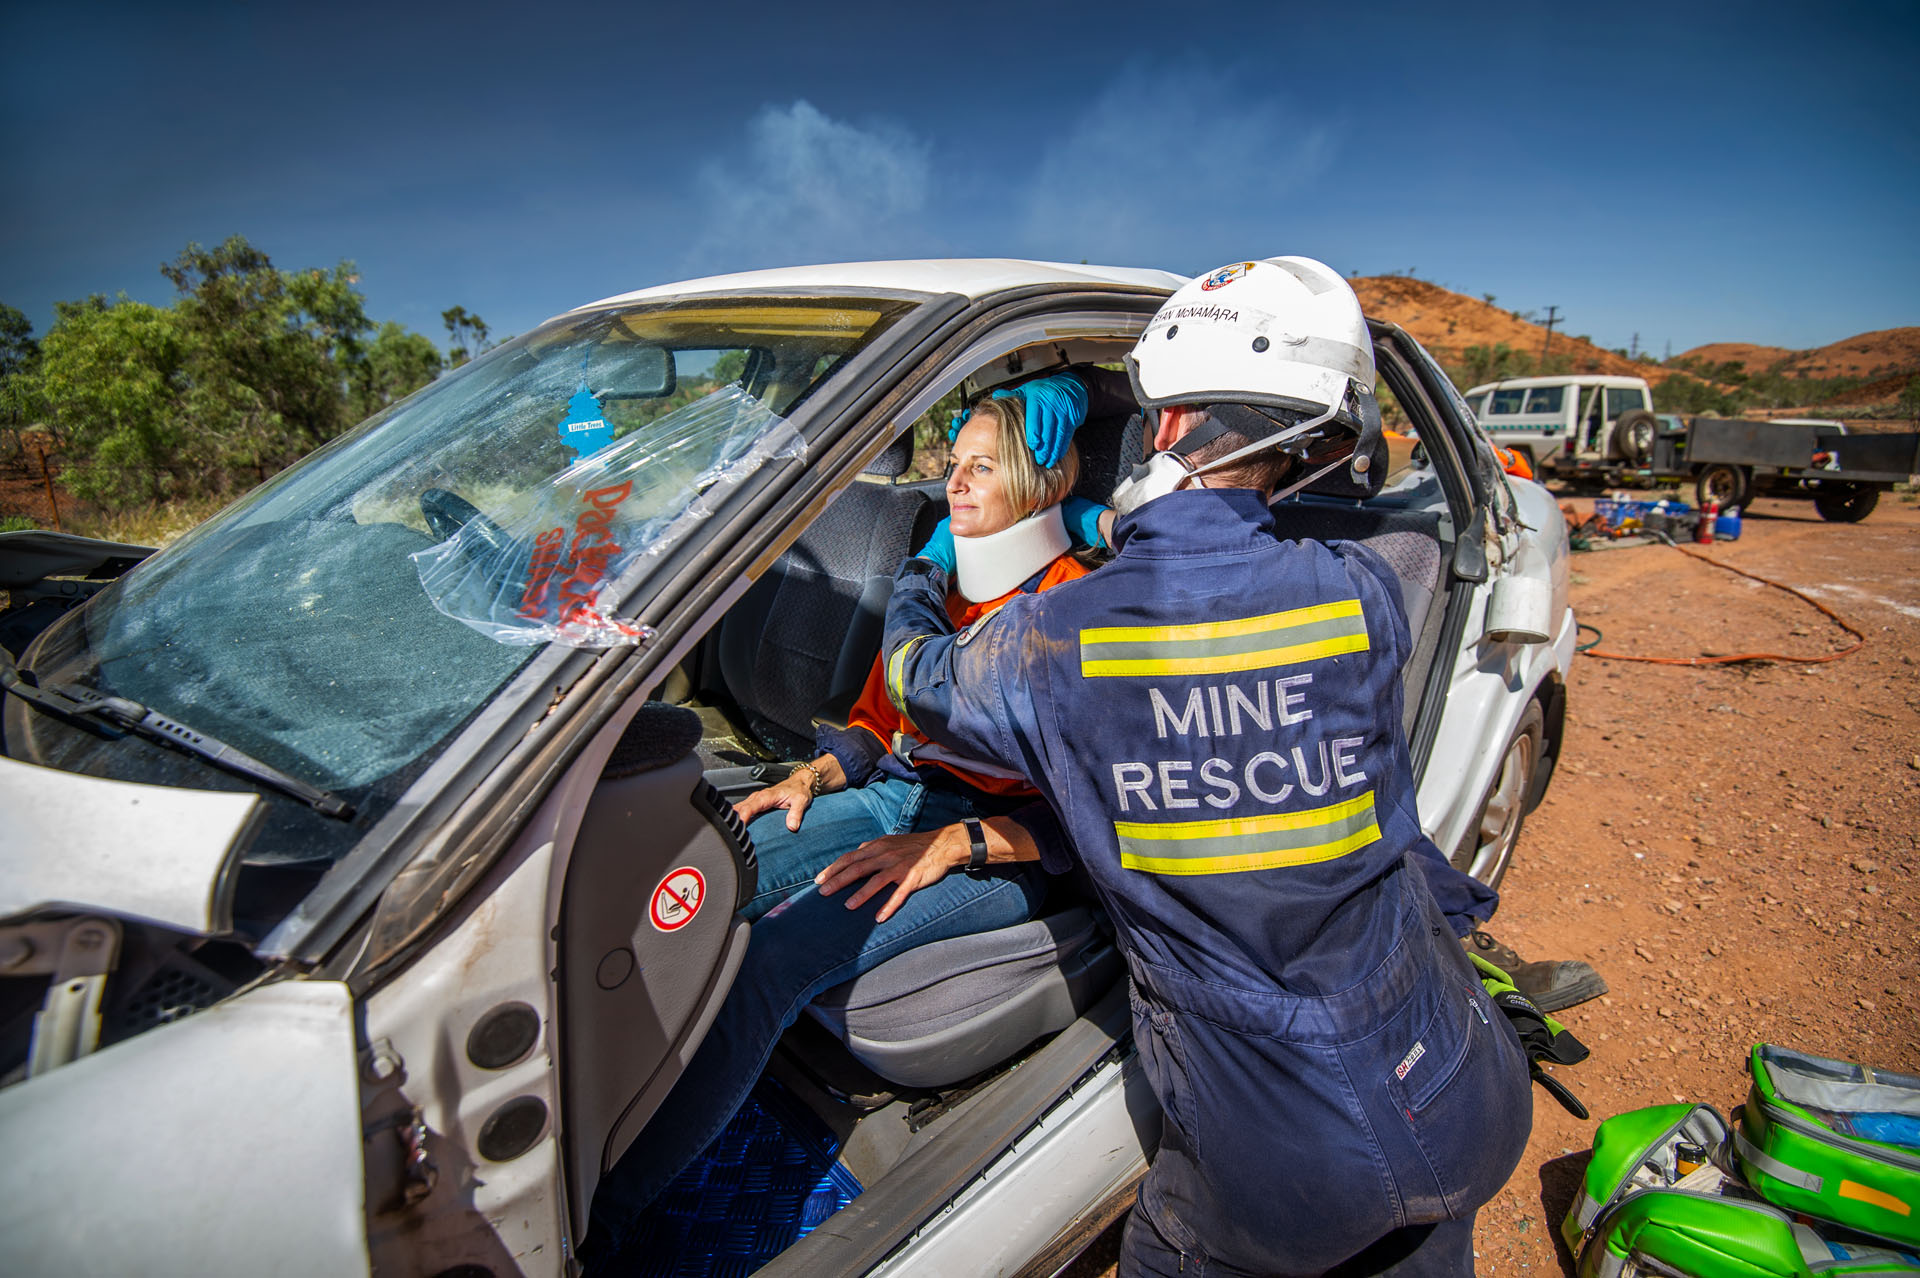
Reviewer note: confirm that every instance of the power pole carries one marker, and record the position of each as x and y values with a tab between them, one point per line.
1547	345
1633	347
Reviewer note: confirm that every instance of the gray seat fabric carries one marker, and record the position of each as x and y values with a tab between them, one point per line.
1409	540
1109	450
946	1011
804	636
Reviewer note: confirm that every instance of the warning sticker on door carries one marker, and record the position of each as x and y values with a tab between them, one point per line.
677	899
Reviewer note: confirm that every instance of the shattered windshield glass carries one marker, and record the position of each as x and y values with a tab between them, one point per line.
341	620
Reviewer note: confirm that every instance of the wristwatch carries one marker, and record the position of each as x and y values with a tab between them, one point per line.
977	837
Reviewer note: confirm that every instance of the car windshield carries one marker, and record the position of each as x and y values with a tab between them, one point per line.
304	624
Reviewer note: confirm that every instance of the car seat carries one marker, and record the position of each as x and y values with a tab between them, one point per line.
799	643
944	1012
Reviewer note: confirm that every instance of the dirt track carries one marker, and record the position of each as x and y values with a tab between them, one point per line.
1733	847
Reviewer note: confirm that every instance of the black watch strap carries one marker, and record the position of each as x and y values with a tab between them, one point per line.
977	837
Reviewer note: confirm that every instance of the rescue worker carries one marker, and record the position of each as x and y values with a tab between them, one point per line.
1215	716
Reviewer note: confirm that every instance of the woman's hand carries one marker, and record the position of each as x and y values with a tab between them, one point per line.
907	861
795	793
912	861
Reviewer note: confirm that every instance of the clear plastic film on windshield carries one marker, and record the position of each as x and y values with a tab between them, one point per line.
554	569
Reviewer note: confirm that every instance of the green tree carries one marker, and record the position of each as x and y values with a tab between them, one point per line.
1493	363
114	379
1683	394
251	368
466	335
1910	399
395	364
263	379
19	361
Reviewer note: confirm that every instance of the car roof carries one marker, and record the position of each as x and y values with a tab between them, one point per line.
1563	379
971	277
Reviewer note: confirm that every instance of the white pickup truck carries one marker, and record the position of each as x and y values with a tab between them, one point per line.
1561	421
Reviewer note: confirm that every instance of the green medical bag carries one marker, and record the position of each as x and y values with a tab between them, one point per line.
1803	1141
1652	1148
1676	1232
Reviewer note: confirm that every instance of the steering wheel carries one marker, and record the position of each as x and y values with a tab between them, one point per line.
448	513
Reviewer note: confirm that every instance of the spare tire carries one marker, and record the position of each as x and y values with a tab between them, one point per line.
1633	434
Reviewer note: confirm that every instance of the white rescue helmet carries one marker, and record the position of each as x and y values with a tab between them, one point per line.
1281	334
1285	332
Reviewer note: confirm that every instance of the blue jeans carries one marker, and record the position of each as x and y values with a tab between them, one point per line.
803	943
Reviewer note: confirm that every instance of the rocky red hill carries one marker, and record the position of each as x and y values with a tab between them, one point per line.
1886	352
1447	323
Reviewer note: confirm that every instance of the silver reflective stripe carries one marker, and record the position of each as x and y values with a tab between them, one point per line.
1753	1154
1342	357
1826	1083
1585	1208
913	753
1610	1265
1316	281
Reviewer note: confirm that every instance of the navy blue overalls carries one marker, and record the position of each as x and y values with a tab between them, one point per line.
1216	718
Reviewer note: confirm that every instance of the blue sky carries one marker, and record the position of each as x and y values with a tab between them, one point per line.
1689	173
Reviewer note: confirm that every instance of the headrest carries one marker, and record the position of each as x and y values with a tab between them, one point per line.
1109	450
895	459
1340	481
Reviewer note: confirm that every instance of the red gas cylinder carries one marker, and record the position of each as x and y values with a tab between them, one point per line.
1709	511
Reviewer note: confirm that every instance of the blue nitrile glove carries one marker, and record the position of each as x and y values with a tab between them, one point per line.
939	547
1056	406
1082	518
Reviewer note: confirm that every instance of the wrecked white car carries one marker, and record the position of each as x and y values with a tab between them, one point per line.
357	915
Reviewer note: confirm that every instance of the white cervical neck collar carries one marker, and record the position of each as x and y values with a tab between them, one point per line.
988	567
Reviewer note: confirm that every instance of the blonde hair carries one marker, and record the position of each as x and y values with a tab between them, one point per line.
1029	486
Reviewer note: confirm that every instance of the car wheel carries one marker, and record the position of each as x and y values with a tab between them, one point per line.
1633	436
1845	503
1487	850
1724	484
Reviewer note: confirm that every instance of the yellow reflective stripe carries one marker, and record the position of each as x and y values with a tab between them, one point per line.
1222	629
1230	826
897	677
1250	860
1225	663
1224	647
1235	844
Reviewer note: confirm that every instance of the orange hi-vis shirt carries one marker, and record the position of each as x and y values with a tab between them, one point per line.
875	711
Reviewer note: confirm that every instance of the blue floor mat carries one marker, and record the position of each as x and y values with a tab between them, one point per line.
768	1180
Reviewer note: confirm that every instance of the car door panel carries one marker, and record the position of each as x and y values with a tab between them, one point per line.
646	947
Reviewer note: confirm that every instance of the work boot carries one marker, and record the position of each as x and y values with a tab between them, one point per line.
1553	984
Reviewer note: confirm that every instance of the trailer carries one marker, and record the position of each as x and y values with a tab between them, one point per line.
1732	461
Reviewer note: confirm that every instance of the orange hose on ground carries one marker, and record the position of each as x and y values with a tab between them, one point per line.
1838	620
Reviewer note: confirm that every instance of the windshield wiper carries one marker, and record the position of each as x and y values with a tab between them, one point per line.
70	701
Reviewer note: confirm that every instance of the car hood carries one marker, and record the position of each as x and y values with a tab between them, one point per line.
233	1133
157	853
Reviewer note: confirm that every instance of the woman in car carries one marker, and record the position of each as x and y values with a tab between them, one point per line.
877	777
